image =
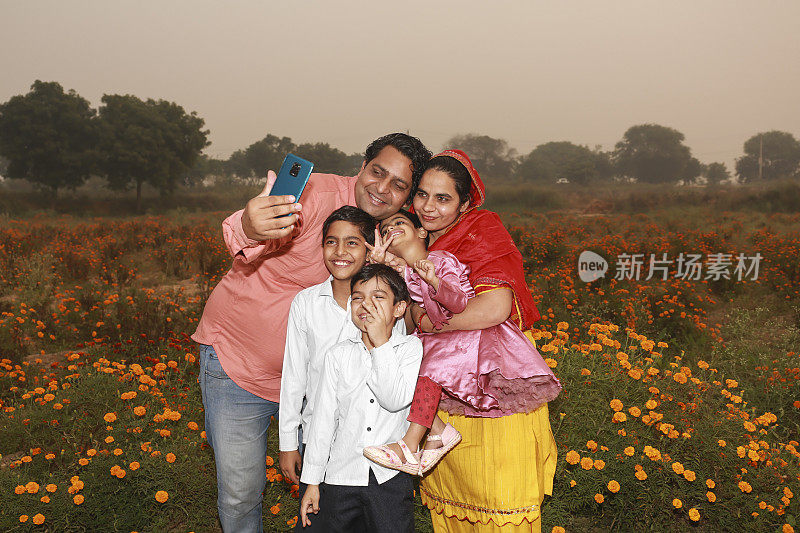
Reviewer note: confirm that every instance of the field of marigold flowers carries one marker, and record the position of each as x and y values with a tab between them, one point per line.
681	402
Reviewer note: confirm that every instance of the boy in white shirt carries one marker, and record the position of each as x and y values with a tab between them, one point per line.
317	318
365	390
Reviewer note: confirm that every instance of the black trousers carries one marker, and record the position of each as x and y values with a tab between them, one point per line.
384	508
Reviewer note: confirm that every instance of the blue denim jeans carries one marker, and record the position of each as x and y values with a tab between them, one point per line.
236	428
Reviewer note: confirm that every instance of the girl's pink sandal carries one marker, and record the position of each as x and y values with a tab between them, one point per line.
384	456
449	437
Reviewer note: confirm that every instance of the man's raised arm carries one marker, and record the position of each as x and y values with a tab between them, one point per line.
260	227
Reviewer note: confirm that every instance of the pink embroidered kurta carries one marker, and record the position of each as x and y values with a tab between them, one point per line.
490	372
246	315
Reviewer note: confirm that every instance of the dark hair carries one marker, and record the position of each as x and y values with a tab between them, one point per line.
458	172
413	218
387	274
355	216
409	146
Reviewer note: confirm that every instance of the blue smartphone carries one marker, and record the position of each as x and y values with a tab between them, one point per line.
292	177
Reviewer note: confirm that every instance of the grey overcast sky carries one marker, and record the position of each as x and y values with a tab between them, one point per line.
345	72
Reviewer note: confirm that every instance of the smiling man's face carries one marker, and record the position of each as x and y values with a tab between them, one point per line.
384	183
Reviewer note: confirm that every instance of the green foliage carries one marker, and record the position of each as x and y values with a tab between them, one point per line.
48	137
155	142
330	160
491	157
716	173
780	153
550	161
254	161
655	154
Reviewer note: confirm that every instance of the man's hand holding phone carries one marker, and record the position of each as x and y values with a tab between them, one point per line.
263	218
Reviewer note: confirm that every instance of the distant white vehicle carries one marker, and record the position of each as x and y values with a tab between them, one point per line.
562	180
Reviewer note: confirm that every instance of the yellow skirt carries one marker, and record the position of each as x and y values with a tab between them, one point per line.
497	477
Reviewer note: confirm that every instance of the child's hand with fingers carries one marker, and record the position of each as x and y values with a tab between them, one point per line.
309	505
380	254
378	323
425	269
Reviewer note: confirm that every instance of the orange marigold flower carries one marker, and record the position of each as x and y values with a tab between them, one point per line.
710	483
193	426
51	487
635	373
722	443
587	463
50	456
689	475
616	404
749	426
585	372
117	451
641	475
170	457
91	452
679	377
23	518
599	498
78	499
613	486
694	514
740	451
45	499
677	468
558	529
134	465
27	459
744	486
619	417
139	410
651	404
109	439
19	489
629	451
591	445
32	487
270	461
572	482
573	457
711	496
162	496
83	461
38	519
599	464
787	528
634	411
677	504
110	417
275	509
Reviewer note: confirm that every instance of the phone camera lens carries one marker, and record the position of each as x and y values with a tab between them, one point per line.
295	170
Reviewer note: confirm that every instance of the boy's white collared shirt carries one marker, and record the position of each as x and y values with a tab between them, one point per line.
316	322
363	400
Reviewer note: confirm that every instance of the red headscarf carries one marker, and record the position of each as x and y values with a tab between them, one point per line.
479	240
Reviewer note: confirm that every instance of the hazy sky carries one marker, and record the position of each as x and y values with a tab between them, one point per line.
346	72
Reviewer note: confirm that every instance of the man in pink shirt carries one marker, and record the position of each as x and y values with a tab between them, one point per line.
242	332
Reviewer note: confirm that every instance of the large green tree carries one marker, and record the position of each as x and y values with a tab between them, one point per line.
153	142
655	154
48	137
253	162
328	159
716	173
491	157
550	161
780	153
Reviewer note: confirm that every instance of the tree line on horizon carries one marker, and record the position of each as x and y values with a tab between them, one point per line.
55	140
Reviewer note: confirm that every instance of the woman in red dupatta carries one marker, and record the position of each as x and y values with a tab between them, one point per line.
496	479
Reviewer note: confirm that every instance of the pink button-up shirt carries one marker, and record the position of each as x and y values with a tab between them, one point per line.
246	315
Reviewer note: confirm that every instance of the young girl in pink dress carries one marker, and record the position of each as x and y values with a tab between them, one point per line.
486	373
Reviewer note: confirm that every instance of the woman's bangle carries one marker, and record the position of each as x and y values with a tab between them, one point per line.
419	321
